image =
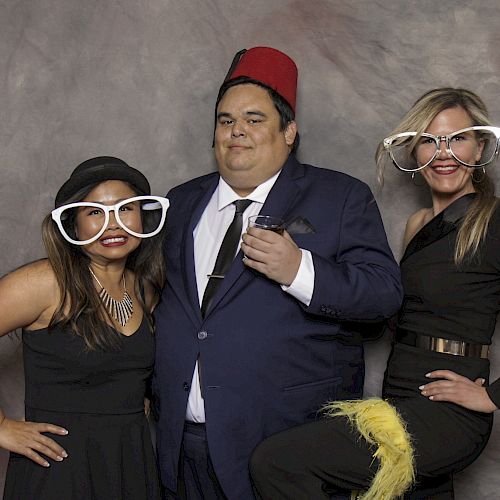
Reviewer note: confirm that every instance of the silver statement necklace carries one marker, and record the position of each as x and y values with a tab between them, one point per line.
120	311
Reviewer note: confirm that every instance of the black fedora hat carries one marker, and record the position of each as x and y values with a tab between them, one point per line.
100	169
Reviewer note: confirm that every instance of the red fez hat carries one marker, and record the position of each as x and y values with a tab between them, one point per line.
270	67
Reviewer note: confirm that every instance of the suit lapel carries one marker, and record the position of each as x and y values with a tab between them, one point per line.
439	226
278	203
196	208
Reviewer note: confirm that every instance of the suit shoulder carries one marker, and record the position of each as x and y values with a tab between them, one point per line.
340	179
191	185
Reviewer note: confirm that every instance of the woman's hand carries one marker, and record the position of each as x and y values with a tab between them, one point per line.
26	438
457	389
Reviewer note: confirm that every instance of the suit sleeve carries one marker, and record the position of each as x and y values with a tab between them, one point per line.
361	282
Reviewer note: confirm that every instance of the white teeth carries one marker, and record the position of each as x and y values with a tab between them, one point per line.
445	169
107	241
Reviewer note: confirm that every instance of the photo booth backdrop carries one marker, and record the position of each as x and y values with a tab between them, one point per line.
138	80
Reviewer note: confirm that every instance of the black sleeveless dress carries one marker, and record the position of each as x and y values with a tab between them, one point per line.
98	397
458	304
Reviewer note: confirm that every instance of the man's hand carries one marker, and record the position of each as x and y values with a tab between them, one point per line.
274	255
455	388
26	438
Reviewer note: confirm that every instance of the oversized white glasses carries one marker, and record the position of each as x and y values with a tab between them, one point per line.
129	214
411	152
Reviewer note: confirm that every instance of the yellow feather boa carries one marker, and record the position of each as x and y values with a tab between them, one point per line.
380	424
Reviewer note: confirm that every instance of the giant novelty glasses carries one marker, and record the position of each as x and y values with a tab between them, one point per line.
130	214
411	152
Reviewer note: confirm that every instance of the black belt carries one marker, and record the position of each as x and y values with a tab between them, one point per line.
195	428
199	425
447	346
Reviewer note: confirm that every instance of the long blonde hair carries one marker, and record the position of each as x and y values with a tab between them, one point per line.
474	226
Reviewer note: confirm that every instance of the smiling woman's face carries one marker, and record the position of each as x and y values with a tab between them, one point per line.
445	175
115	243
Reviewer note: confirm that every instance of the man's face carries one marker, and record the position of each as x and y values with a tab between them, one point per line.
249	146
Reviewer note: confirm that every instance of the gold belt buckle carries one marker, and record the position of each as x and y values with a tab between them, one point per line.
447	346
455	347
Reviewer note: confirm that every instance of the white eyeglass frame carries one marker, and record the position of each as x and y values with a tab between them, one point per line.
164	202
437	139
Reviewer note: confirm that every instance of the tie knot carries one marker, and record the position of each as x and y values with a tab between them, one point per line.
242	205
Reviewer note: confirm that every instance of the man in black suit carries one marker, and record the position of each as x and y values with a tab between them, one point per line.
273	340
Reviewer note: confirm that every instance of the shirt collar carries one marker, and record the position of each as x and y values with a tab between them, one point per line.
226	194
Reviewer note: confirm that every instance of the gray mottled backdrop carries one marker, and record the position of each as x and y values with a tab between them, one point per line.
138	79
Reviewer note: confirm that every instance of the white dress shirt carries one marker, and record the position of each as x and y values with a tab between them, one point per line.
208	236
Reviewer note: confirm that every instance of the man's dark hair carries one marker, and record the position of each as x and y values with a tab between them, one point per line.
284	110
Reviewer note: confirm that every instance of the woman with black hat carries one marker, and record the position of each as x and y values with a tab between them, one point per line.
87	338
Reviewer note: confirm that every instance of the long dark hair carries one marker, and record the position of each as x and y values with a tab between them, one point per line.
80	308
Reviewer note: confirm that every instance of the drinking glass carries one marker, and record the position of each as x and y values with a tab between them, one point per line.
267	222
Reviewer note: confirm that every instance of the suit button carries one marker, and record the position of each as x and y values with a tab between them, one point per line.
185	386
202	335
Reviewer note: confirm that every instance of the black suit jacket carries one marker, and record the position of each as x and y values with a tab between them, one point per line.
267	362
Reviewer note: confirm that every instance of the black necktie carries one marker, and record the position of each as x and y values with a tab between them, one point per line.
226	254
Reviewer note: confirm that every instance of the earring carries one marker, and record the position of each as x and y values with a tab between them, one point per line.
414	182
475	178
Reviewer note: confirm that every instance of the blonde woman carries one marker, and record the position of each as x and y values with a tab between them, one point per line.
436	415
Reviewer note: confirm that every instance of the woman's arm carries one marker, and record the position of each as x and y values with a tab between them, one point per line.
28	297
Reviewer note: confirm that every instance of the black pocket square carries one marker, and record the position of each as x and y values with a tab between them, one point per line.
299	225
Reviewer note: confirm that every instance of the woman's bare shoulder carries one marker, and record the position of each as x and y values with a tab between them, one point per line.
38	273
416	222
27	294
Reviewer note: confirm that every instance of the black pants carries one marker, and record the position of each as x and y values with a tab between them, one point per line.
310	462
325	459
197	479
